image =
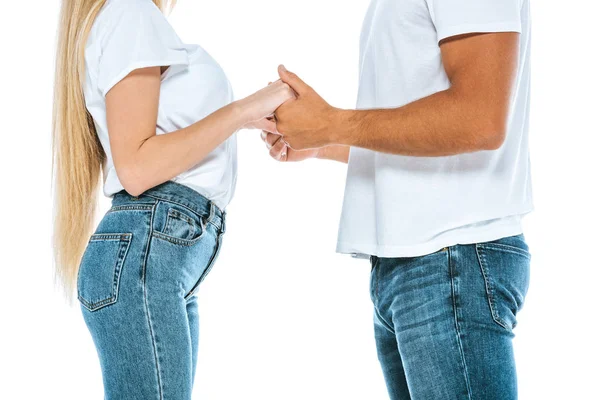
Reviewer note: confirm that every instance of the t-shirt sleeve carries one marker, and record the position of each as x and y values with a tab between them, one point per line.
458	17
137	35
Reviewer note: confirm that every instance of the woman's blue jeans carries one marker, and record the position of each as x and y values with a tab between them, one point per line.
444	322
136	286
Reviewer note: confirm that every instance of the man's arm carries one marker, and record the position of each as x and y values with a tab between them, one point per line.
469	116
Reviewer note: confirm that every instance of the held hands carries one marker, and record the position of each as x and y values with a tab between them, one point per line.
302	124
259	107
305	122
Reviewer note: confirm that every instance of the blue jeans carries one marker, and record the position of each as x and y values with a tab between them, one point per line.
444	322
136	286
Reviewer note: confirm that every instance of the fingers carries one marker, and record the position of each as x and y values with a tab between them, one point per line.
270	139
266	124
293	80
279	151
288	92
277	147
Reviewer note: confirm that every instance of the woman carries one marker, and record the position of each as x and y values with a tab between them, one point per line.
124	80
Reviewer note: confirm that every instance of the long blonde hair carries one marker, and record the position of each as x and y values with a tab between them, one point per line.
77	153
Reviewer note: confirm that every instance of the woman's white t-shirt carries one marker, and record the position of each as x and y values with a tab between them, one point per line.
132	34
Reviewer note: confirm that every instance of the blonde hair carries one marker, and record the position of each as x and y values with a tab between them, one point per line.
77	153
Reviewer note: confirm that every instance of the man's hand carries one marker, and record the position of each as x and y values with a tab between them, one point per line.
305	123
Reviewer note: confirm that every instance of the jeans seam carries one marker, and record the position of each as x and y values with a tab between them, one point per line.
489	287
375	291
454	289
147	309
211	263
383	322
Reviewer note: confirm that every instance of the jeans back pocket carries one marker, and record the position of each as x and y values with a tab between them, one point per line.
100	270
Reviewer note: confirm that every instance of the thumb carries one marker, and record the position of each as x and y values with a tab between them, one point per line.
293	80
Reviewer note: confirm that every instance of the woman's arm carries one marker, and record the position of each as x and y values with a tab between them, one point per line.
339	153
144	159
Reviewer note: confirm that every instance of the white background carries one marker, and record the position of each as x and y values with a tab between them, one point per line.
283	316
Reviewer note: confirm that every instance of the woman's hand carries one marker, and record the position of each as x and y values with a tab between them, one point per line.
258	107
280	151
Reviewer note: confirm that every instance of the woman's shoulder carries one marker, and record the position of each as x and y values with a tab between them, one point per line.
128	35
130	5
129	17
114	11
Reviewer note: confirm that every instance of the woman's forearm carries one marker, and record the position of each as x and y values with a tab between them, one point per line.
163	157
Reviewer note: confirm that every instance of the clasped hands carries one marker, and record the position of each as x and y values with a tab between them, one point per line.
302	126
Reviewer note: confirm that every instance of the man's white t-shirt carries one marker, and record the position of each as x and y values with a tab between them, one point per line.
132	34
399	206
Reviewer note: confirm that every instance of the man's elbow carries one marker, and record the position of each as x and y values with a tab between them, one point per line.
493	140
492	132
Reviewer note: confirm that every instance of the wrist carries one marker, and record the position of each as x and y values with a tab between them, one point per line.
323	153
339	129
242	113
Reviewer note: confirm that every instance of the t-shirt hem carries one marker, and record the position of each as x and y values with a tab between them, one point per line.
454	30
221	201
432	246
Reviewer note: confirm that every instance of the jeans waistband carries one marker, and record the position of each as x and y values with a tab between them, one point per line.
179	194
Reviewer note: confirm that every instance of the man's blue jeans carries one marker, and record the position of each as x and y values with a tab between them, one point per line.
444	322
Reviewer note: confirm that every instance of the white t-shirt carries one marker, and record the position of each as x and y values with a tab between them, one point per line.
133	34
397	206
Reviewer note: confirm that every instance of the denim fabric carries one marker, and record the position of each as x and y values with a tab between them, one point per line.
136	286
444	322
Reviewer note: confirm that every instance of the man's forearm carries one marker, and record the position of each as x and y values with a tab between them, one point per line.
339	153
443	124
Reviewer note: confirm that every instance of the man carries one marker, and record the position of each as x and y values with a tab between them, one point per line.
438	181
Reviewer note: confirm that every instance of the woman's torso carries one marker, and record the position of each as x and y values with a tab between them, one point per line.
131	34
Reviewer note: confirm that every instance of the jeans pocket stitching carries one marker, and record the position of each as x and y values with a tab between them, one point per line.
180	241
177	241
506	247
489	287
173	214
125	243
128	207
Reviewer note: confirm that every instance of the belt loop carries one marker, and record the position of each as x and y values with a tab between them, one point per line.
223	215
211	216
